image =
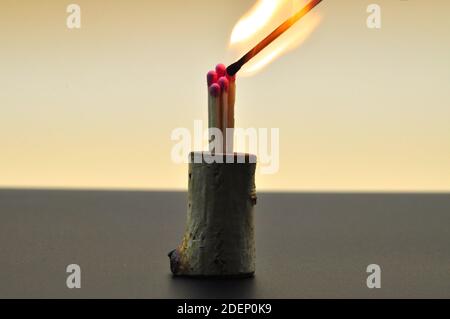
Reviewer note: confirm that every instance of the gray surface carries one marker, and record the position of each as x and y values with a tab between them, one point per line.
308	245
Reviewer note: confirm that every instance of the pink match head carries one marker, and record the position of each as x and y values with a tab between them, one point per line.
214	90
221	70
211	78
224	84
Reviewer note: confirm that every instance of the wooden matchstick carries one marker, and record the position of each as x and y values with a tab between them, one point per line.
224	86
231	102
235	67
211	78
214	113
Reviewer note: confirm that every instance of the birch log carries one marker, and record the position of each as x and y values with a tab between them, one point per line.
219	238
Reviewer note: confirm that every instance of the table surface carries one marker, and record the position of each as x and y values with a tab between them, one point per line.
308	245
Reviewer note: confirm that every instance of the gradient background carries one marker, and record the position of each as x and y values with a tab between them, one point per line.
358	109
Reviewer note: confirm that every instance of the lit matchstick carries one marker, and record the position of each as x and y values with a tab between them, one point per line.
235	67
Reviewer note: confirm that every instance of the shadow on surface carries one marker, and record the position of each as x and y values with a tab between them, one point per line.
185	287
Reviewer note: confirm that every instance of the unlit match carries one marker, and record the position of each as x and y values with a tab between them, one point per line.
223	83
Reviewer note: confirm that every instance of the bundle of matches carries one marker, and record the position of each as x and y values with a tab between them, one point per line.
221	100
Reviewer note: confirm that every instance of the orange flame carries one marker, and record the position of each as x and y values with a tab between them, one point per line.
260	21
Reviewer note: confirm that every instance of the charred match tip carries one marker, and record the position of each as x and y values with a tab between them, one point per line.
233	69
211	77
221	70
224	83
231	78
214	90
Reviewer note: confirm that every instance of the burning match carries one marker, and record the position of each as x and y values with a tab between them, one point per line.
235	67
221	110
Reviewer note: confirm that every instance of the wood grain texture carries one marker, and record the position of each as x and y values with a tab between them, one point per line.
220	237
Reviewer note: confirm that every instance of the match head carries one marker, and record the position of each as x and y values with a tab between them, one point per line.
224	83
221	70
214	90
211	78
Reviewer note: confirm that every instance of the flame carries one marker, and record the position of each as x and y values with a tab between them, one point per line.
260	21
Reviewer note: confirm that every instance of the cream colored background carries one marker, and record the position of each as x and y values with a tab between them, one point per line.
358	109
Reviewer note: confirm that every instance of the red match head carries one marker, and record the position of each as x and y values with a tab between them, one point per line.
224	84
221	70
214	90
211	78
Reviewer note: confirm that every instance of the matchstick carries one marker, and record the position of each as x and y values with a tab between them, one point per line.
211	78
231	102
224	85
214	113
236	66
